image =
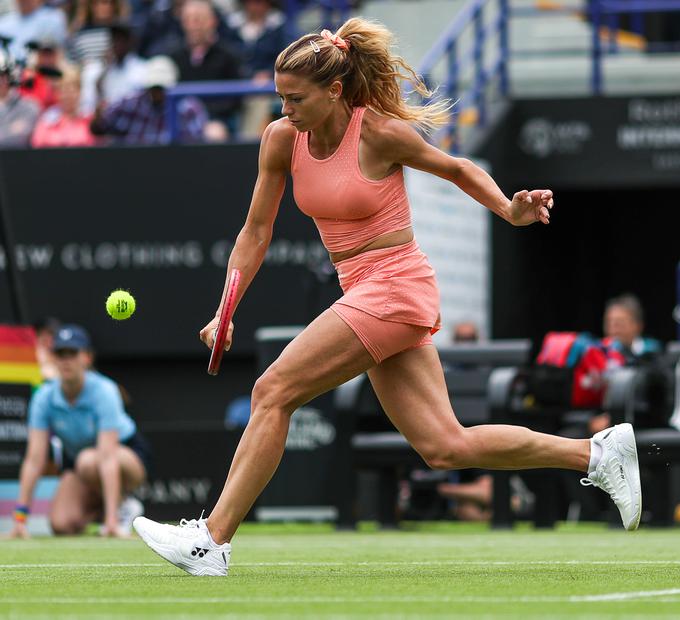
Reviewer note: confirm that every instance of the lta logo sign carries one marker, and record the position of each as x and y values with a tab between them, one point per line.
540	137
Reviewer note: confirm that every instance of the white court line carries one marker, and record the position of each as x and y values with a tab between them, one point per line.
624	596
508	562
642	597
372	563
84	565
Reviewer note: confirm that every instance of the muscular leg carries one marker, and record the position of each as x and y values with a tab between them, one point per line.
74	505
326	354
412	391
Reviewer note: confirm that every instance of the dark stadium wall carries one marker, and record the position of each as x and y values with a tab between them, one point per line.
589	143
160	222
181	411
614	165
178	394
599	244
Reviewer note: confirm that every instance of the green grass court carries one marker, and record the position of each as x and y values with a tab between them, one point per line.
313	572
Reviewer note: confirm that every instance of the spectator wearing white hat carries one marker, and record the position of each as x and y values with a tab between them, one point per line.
142	118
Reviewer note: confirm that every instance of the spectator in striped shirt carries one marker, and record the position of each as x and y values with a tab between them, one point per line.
122	74
142	119
92	37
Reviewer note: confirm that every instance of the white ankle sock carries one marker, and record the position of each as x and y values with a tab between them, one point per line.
210	538
595	456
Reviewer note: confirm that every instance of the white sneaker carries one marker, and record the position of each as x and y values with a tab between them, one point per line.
130	508
618	473
187	545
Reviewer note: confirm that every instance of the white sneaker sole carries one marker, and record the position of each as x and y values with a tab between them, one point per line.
169	553
625	442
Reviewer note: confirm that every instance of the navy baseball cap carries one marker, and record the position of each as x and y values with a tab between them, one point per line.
72	337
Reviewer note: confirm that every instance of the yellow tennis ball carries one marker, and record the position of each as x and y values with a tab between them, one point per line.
120	305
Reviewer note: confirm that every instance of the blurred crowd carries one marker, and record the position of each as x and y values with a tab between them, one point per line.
95	72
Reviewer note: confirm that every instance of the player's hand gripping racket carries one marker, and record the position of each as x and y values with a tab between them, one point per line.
223	326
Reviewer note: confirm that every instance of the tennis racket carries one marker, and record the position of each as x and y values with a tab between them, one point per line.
223	326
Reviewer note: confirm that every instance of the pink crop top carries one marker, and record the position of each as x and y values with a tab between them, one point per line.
348	209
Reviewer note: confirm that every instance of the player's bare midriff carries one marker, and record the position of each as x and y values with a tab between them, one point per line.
388	240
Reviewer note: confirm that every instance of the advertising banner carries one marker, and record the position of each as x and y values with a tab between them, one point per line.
597	142
161	223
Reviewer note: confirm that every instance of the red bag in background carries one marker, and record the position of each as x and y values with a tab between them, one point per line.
590	379
571	369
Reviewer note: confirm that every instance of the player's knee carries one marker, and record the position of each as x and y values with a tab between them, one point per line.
87	464
447	452
65	525
273	391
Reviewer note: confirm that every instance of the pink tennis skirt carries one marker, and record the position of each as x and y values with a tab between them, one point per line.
391	299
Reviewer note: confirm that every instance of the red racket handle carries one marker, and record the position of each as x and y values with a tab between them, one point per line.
223	326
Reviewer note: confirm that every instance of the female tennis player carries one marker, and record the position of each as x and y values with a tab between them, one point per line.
345	138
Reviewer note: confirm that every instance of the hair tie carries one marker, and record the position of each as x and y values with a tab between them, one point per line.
336	40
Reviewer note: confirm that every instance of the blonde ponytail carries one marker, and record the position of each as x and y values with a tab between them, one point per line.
371	75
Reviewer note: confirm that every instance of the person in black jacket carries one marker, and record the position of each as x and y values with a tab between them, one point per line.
257	32
203	57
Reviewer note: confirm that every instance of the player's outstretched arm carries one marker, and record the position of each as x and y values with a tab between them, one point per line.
410	149
253	240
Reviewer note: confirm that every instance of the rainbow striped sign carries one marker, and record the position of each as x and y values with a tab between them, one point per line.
18	362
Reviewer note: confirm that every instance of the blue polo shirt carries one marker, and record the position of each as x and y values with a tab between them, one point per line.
99	407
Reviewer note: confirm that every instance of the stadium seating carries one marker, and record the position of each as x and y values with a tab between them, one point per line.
374	445
630	398
509	403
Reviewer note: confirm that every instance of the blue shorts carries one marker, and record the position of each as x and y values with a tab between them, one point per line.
137	443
